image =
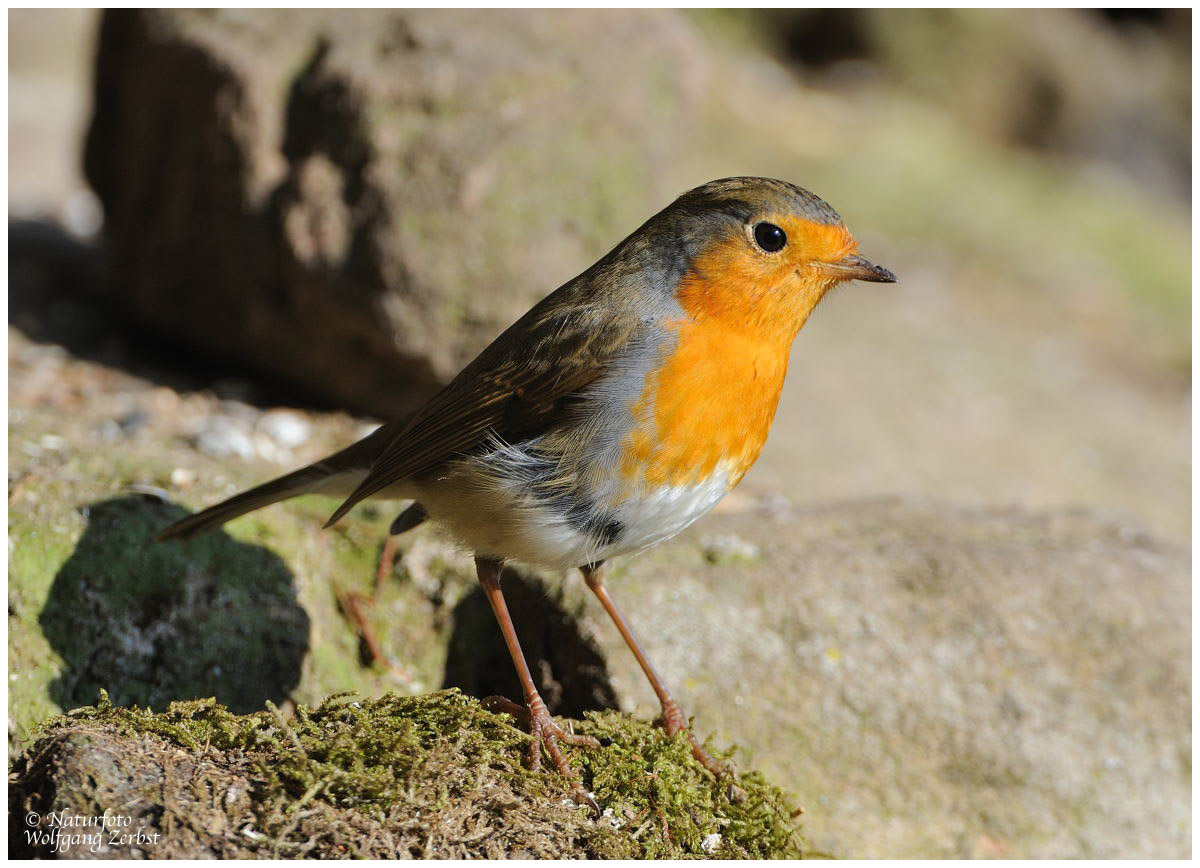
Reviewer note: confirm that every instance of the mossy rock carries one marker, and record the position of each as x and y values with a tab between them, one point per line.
409	777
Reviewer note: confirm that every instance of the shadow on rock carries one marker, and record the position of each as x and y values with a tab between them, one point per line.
54	282
155	622
567	666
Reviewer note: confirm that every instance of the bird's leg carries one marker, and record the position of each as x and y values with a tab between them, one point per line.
387	563
412	516
356	606
546	733
673	718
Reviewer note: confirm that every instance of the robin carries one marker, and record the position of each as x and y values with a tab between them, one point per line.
612	415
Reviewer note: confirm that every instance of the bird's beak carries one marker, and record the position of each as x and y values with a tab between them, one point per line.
855	267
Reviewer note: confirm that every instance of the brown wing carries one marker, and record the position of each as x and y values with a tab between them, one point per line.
514	390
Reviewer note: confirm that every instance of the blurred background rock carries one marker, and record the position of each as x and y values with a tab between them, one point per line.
337	210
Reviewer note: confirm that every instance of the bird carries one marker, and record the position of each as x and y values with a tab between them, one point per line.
618	410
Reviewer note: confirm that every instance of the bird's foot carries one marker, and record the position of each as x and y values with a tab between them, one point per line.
673	722
546	736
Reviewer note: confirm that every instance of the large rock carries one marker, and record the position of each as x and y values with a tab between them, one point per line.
354	203
932	680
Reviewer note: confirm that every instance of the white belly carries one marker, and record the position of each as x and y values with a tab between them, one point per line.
499	516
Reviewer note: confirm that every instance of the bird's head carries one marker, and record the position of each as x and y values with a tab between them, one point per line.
758	253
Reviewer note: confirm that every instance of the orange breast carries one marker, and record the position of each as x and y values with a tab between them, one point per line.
712	400
711	403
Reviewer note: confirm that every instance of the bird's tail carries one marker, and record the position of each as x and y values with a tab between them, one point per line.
338	474
313	479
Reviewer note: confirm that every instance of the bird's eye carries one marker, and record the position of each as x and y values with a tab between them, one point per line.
769	237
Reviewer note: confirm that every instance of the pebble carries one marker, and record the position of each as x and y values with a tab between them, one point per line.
182	477
82	214
286	428
130	423
149	491
107	430
222	437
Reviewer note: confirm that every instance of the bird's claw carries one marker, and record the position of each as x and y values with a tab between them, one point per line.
674	722
546	735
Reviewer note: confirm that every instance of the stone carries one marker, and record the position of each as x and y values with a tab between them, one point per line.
354	203
934	680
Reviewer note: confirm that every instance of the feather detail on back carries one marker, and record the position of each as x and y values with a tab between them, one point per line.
517	389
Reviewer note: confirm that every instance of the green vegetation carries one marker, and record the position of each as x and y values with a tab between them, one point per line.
376	766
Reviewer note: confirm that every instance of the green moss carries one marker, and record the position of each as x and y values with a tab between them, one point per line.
652	782
411	755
